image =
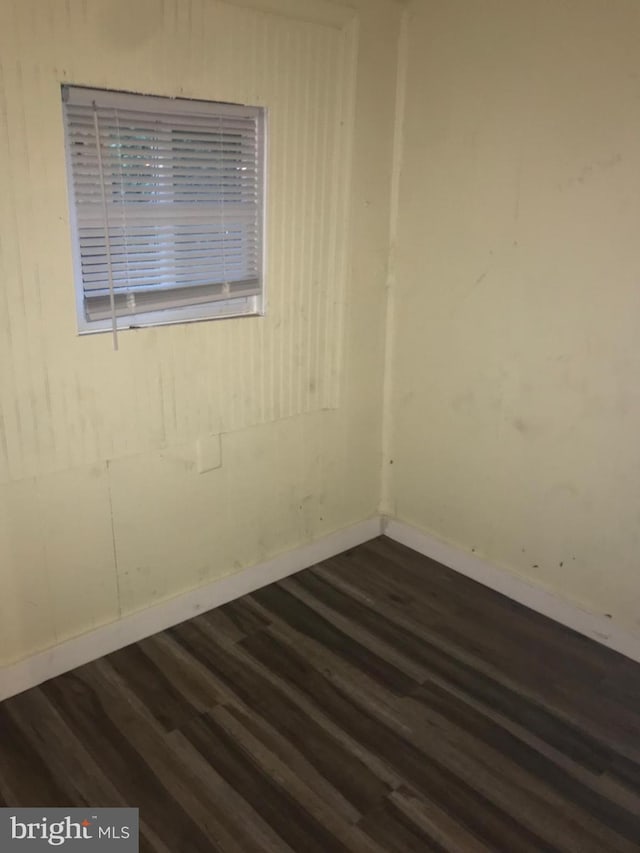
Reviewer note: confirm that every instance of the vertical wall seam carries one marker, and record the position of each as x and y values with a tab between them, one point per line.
113	538
337	309
386	490
45	559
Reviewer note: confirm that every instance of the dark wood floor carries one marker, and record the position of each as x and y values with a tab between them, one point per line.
376	702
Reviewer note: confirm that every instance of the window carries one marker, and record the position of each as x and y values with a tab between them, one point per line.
166	198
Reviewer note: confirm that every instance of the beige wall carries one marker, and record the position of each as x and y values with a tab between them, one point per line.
102	508
516	341
512	331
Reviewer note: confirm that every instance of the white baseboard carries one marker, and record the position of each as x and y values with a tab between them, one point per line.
596	626
108	638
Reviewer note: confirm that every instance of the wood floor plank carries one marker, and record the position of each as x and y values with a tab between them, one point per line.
375	702
295	785
41	726
88	715
147	680
347	773
299	828
186	674
472	807
434	822
519	646
237	691
527	797
551	777
26	779
483	634
205	806
262	836
246	619
390	826
582	747
290	755
355	630
280	602
485	616
617	722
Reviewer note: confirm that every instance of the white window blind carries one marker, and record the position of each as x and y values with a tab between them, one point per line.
167	203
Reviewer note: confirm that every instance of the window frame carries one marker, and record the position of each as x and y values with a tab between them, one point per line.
233	307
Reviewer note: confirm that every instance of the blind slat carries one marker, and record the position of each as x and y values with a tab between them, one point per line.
159	120
162	282
99	308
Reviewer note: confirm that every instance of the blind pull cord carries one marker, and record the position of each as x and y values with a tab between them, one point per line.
112	298
225	284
